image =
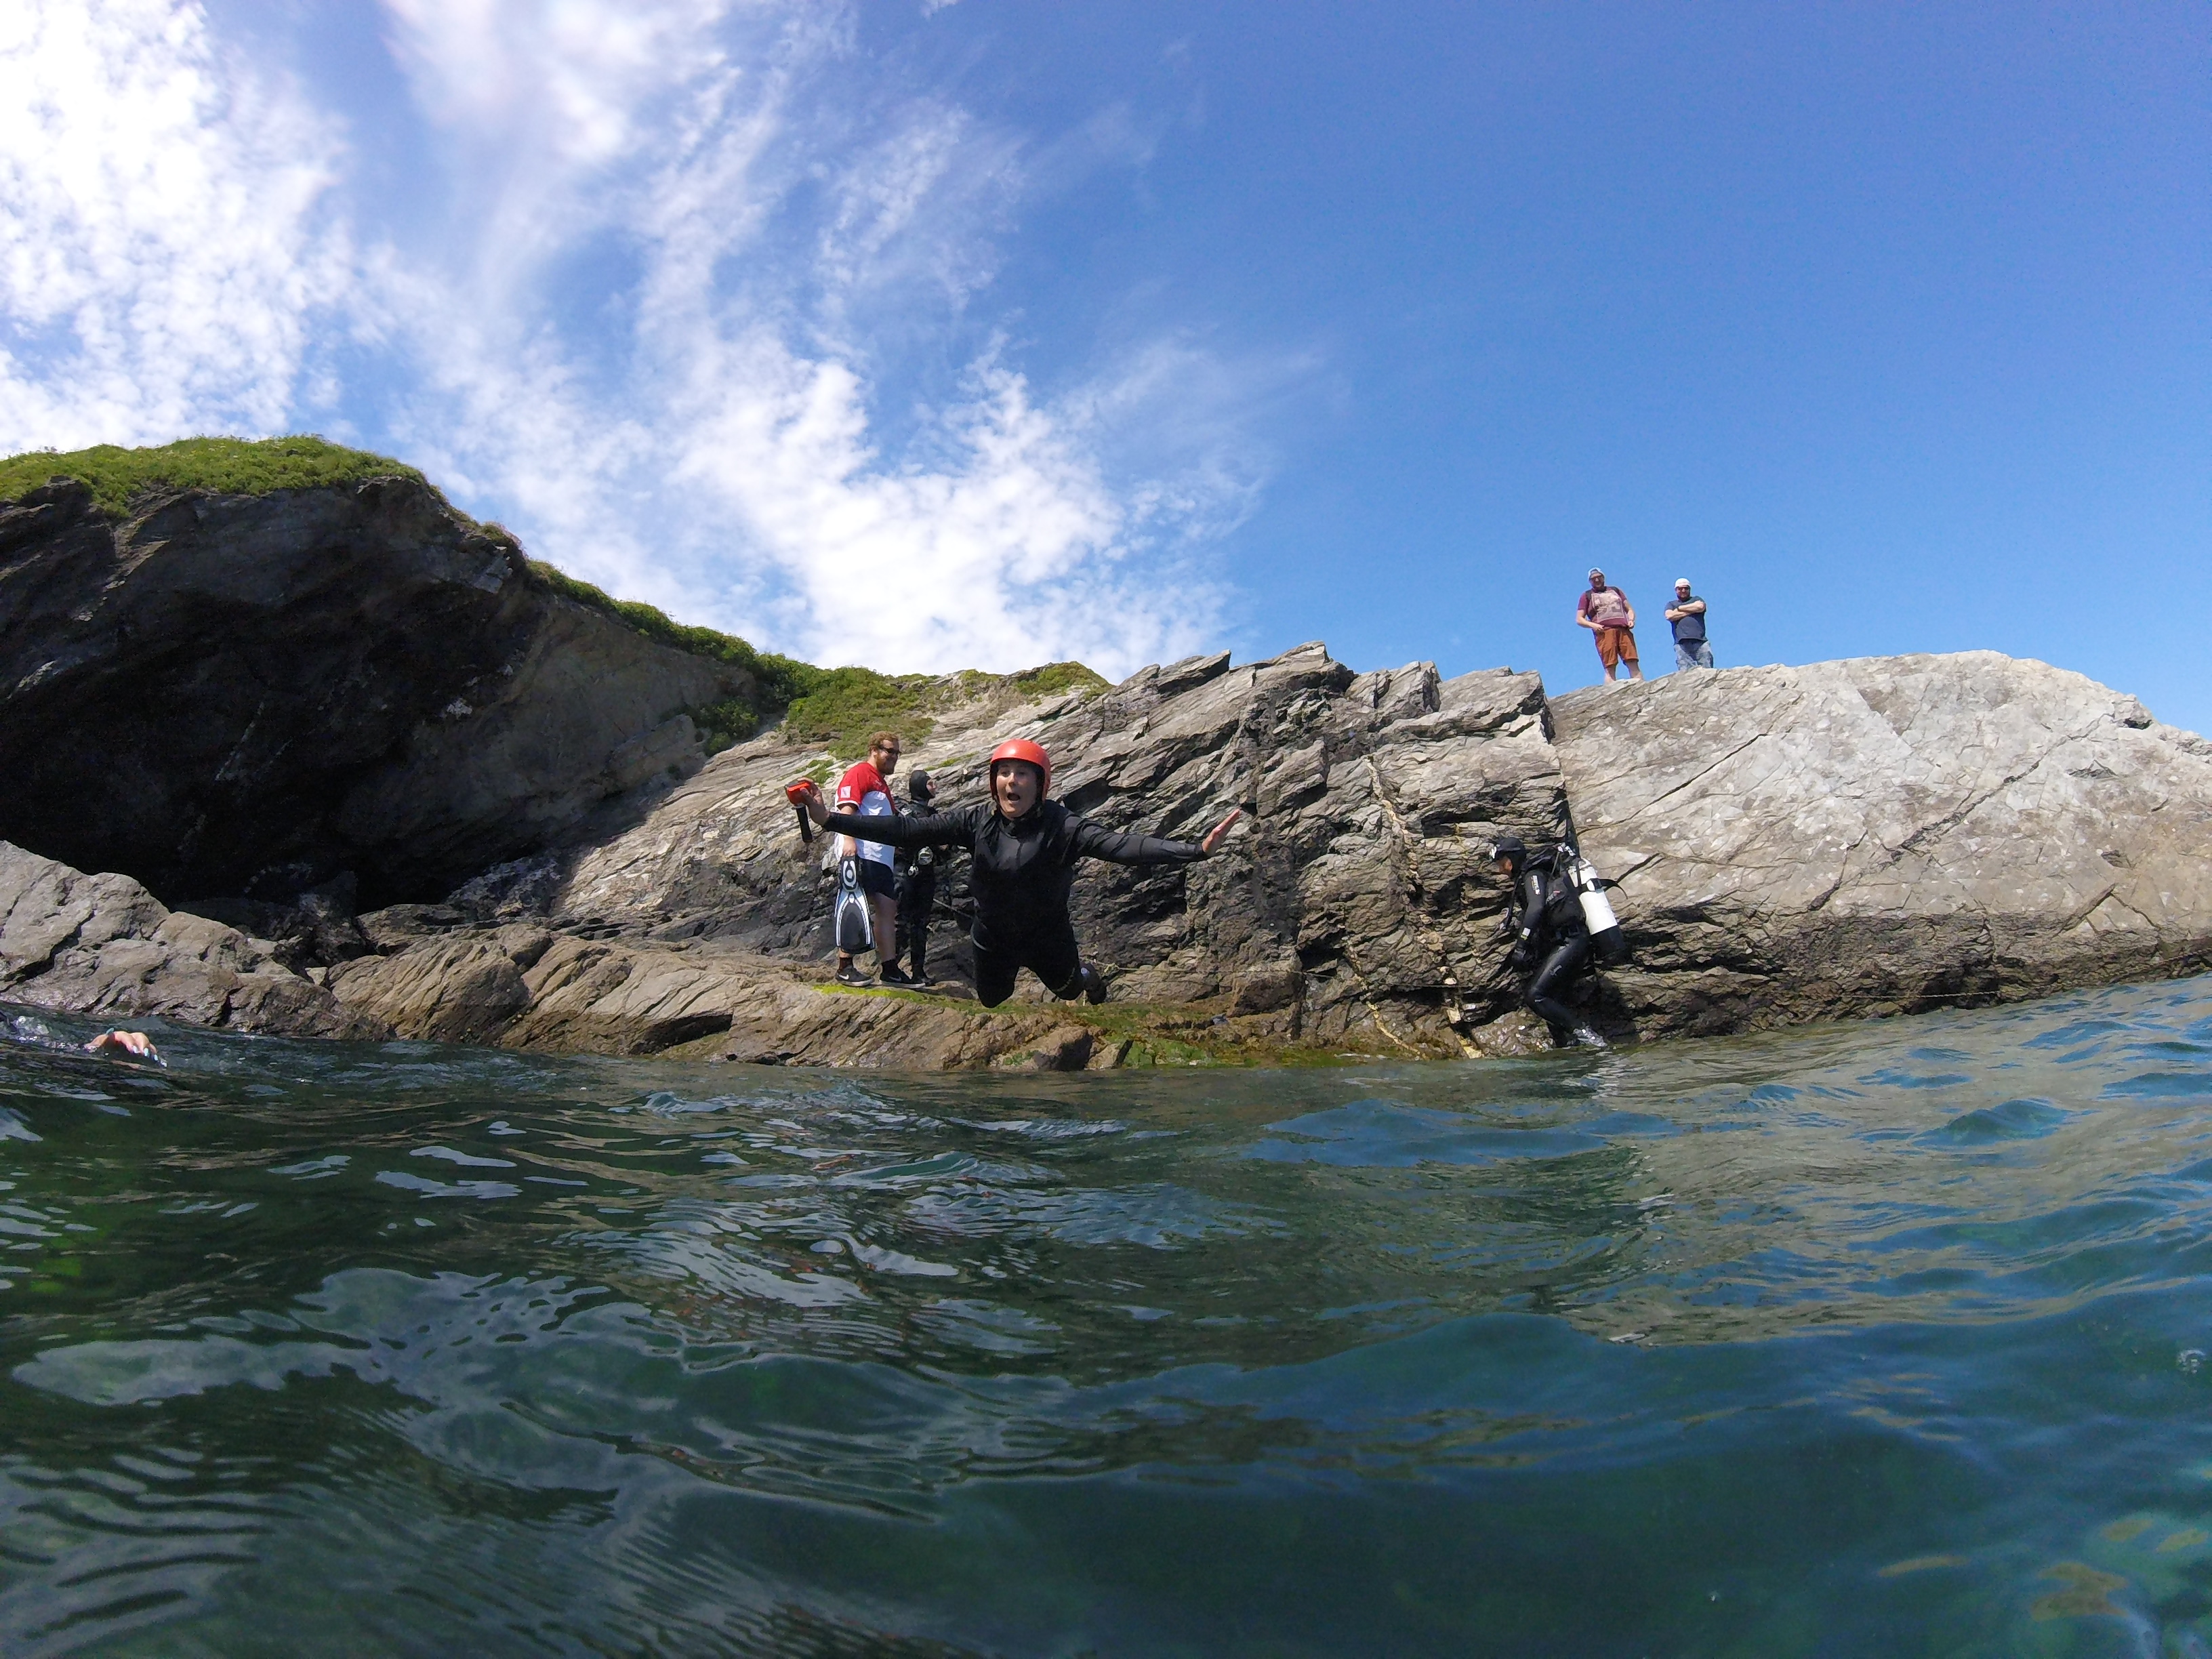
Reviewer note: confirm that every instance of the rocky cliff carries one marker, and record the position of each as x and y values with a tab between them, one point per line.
1886	834
1846	839
309	702
1856	838
251	693
1353	902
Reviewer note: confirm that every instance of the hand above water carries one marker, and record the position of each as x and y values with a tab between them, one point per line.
137	1044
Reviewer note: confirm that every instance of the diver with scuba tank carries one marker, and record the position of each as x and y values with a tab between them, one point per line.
1561	920
916	870
1024	848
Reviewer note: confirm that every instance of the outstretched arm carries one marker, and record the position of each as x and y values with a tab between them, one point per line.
924	829
1116	846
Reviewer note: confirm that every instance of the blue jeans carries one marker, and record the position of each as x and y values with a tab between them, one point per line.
1693	653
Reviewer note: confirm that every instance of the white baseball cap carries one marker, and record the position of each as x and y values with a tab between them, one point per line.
1681	582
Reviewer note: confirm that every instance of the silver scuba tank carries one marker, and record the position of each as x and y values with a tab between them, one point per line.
1607	940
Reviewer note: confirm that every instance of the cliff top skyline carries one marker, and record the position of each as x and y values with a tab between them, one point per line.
937	335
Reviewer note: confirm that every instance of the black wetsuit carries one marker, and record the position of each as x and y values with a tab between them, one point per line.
1555	940
1020	881
917	893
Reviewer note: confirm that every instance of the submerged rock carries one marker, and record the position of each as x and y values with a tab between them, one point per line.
523	987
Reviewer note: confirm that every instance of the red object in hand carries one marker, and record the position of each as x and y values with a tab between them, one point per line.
796	793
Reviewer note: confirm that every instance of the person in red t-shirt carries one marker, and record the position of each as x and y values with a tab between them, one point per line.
864	789
1606	611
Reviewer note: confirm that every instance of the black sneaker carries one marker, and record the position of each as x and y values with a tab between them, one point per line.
892	975
1093	984
849	973
918	978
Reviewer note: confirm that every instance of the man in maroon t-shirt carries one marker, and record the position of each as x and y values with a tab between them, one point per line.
1606	611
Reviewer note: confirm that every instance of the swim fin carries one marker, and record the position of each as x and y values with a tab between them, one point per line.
854	929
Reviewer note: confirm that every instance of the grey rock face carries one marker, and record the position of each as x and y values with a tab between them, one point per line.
1886	834
252	695
1840	839
1843	838
103	945
1355	906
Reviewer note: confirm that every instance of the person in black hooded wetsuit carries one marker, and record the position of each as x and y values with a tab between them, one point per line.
1547	913
1024	849
916	870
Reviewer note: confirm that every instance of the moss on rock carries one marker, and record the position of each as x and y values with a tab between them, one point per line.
225	466
836	708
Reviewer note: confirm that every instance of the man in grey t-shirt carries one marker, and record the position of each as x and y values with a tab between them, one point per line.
1687	614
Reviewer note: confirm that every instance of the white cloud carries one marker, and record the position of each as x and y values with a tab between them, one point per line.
161	249
779	230
568	81
681	247
1006	558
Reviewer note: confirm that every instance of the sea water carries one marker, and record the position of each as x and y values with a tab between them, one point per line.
1871	1339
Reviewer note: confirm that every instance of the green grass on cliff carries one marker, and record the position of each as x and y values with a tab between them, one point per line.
837	708
845	706
227	466
1054	678
240	466
782	679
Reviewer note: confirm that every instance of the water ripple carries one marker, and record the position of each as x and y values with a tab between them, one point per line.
1878	1338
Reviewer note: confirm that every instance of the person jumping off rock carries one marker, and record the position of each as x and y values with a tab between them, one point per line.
1024	848
1547	913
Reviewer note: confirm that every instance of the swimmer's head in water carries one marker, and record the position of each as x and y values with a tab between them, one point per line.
1021	774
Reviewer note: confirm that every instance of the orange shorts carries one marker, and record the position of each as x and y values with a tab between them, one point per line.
1616	645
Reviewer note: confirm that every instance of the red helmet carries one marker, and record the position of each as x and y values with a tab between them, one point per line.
1022	748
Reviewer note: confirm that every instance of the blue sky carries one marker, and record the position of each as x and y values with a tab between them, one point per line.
982	333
